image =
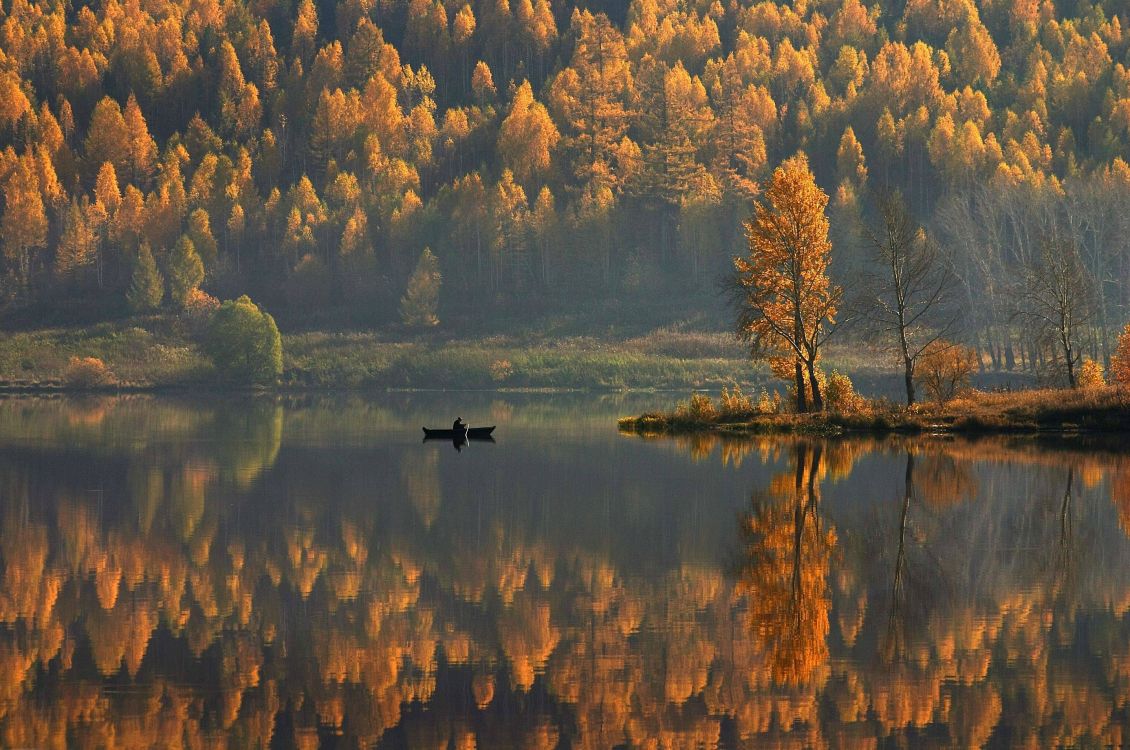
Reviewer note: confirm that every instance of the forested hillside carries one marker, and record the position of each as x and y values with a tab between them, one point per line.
548	153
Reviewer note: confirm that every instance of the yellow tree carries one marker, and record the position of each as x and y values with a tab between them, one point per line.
527	136
108	138
1120	361
142	147
77	243
786	302
23	225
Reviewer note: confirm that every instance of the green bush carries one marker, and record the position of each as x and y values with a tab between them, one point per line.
244	343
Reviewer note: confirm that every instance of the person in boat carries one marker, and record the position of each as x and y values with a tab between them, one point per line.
458	425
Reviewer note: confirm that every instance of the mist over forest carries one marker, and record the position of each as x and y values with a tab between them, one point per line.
523	160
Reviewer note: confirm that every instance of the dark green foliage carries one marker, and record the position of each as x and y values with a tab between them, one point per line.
243	343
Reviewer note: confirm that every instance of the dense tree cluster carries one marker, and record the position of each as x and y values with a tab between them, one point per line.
310	151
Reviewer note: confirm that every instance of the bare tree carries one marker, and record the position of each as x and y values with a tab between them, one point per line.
905	296
1055	299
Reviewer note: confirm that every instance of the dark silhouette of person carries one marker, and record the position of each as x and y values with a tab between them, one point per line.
458	425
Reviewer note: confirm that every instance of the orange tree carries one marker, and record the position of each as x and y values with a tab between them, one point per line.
1119	371
786	303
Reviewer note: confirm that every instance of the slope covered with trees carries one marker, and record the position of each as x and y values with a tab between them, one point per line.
548	153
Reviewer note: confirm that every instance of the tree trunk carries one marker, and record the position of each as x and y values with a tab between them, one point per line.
1070	364
908	366
817	397
801	401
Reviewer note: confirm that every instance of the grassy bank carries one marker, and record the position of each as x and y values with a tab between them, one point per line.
1105	409
159	352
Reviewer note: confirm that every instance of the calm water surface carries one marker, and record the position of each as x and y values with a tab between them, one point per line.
241	573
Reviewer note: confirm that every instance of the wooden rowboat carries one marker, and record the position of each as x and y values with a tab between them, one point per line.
471	433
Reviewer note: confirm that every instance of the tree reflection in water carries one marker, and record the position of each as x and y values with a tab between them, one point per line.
205	576
784	572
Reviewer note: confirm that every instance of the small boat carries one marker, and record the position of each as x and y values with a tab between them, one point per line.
471	433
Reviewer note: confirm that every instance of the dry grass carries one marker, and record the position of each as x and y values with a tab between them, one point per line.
1105	409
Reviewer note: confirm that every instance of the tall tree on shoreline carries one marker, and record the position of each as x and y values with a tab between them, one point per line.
904	296
786	302
1057	301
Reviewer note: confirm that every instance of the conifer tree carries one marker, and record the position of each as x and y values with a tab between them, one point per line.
185	271
146	287
421	298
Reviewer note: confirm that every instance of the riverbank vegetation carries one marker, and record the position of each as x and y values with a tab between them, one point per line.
162	352
1098	408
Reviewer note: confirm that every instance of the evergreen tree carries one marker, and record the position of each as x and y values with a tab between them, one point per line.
418	305
185	271
146	286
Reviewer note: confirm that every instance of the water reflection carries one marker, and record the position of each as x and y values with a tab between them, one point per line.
248	573
784	571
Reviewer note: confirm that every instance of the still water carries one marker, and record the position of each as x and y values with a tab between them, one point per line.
241	573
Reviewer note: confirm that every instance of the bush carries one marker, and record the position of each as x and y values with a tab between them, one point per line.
198	311
699	409
244	343
840	395
944	369
735	403
769	404
1090	375
500	370
87	372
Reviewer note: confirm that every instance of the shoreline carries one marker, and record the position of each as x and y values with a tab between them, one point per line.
1101	411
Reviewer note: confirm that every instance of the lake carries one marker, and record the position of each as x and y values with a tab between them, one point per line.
241	572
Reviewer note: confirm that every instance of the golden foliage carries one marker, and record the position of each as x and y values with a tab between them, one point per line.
1090	375
944	369
87	372
1120	360
787	299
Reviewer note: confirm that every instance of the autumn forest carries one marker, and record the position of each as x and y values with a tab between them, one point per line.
324	157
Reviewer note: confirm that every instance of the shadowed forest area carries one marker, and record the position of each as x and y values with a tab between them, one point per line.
478	165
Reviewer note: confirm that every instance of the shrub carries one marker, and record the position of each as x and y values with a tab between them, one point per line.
500	370
87	372
699	408
769	404
1090	375
735	403
944	369
198	311
840	395
1120	360
244	343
